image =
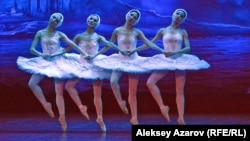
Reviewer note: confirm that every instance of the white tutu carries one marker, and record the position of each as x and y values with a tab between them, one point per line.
66	66
53	67
117	62
176	62
86	69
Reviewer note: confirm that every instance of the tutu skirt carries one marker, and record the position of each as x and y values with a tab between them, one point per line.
85	69
66	66
117	62
53	67
176	62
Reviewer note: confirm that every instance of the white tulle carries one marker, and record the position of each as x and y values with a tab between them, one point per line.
117	62
177	62
66	66
85	69
53	67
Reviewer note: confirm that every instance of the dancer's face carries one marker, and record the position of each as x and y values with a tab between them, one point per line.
132	17
92	20
178	16
55	19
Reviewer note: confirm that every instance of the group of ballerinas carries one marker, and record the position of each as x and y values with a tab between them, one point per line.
68	69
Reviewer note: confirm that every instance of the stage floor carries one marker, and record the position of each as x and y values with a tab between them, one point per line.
40	127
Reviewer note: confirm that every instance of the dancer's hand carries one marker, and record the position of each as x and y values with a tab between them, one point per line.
125	53
51	55
168	54
91	57
87	57
46	56
130	52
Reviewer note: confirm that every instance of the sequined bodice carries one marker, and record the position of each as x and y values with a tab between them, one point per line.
127	40
90	44
172	41
50	44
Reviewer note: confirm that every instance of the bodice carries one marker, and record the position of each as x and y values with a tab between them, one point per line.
127	40
50	44
172	41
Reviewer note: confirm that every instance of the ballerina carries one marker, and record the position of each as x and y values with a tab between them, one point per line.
49	63
126	61
175	58
83	67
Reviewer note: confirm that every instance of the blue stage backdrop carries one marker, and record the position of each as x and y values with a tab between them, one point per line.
219	32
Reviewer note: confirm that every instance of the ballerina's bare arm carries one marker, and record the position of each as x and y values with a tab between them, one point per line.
114	38
33	49
186	48
107	44
72	44
148	43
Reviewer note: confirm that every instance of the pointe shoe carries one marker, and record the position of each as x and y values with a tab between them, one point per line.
164	112
134	121
124	107
63	123
48	109
101	124
83	110
181	121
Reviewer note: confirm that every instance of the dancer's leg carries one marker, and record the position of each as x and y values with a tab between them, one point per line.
70	87
156	93
132	98
38	92
180	78
114	82
97	87
59	85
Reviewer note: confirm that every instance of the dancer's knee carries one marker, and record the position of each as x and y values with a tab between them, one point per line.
113	83
150	84
32	85
68	87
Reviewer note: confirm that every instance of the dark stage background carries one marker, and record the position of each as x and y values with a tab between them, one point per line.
218	30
